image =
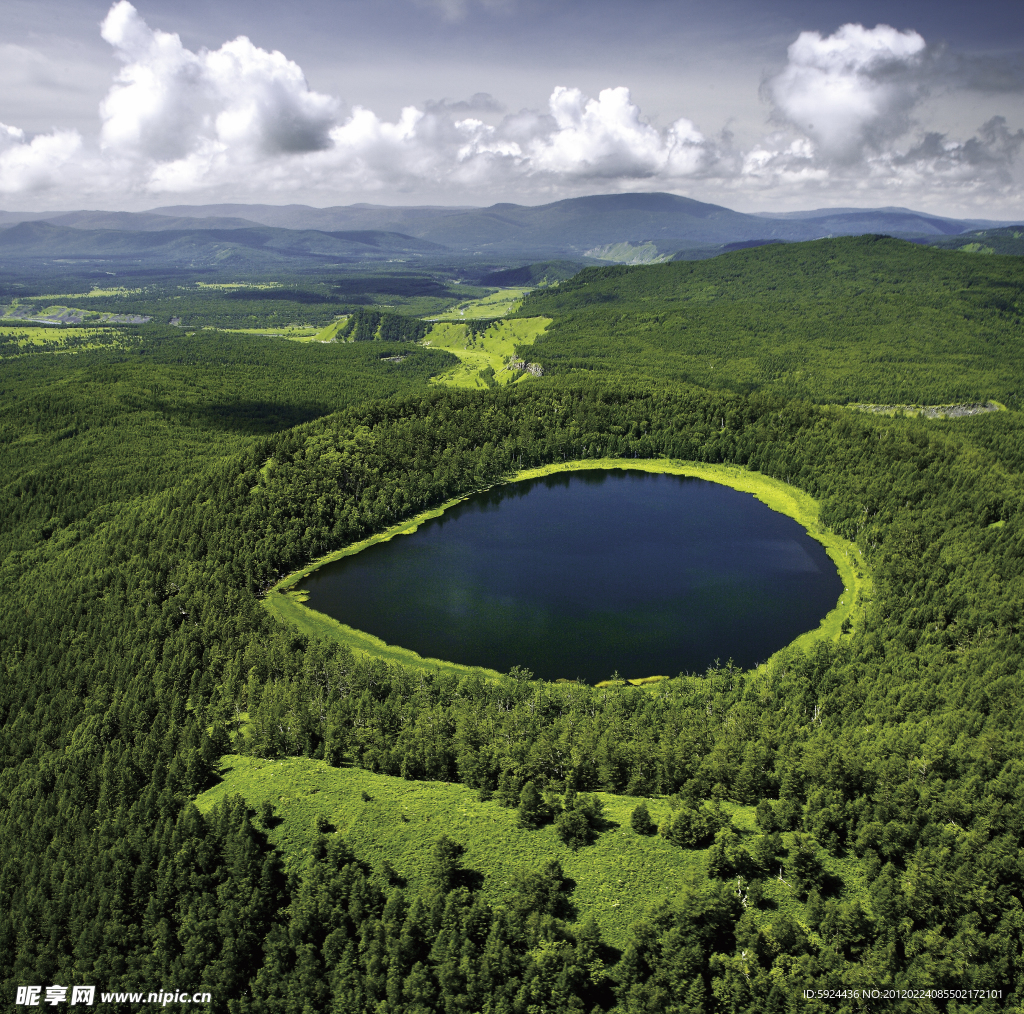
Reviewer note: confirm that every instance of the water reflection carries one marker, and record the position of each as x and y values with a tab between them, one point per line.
578	574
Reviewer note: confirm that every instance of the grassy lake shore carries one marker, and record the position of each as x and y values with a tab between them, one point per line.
286	603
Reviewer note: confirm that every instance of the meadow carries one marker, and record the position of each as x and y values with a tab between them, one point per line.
484	354
493	304
386	819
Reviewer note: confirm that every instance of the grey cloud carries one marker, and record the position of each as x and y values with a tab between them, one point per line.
992	150
481	102
996	73
240	122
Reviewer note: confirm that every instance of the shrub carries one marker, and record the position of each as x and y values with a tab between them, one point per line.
573	828
641	822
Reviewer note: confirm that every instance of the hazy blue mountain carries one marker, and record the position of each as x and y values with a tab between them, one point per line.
565	227
936	223
125	221
252	247
573	226
663	224
144	221
985	241
8	218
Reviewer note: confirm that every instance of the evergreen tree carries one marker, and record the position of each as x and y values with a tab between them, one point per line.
533	812
640	820
446	864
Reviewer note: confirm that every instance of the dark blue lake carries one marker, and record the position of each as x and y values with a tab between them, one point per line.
584	573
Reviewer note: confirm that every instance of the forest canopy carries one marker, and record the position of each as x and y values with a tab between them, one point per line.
855	813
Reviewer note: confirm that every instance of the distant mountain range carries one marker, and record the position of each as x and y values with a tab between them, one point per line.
258	234
246	246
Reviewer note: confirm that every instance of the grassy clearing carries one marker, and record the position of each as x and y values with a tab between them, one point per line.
330	333
228	286
56	339
496	304
295	332
286	604
930	411
616	878
491	348
117	291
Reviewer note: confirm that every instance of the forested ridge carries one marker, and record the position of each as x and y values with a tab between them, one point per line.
865	318
151	495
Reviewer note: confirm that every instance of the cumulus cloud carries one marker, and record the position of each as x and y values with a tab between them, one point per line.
240	122
850	90
27	165
169	102
606	137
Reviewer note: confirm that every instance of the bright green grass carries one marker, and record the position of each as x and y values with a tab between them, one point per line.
228	286
925	411
617	877
286	604
492	348
497	304
117	291
330	333
55	339
296	333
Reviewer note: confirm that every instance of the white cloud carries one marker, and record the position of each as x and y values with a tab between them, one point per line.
37	164
851	90
169	102
607	138
242	123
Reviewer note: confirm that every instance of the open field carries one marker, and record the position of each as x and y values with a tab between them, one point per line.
286	603
497	304
297	333
617	877
57	339
490	349
230	286
93	293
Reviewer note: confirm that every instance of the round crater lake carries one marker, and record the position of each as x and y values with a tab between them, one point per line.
580	574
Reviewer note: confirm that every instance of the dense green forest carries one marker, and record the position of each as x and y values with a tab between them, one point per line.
868	319
151	495
226	298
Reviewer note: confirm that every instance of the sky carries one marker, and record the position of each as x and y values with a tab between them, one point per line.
758	106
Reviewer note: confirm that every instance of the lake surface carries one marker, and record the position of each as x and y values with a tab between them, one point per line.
581	574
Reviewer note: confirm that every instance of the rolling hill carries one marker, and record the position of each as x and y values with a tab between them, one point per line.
857	319
667	223
248	246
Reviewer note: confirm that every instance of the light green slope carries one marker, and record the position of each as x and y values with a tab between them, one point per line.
617	877
491	348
